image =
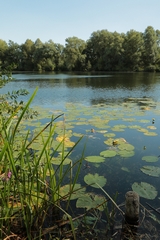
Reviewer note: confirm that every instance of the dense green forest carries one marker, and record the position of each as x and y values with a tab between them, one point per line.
103	51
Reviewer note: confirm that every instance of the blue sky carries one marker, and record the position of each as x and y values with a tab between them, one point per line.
59	19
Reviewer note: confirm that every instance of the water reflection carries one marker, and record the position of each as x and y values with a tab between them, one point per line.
86	88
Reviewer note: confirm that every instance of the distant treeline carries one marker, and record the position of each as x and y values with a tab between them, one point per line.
103	51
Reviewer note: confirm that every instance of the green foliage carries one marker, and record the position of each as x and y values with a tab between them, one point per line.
103	51
151	51
145	190
133	48
74	56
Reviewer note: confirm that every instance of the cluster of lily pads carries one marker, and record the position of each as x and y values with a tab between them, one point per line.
108	126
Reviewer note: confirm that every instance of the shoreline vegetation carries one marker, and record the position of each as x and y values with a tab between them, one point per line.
103	51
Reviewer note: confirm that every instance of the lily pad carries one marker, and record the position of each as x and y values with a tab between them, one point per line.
135	127
144	121
108	153
66	140
151	171
117	129
109	135
150	133
150	158
58	161
95	159
145	190
125	169
90	200
92	179
125	153
126	146
75	193
152	127
109	141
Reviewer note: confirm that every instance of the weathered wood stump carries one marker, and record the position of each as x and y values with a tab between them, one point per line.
132	208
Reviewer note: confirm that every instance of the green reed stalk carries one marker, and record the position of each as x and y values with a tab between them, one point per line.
23	112
34	185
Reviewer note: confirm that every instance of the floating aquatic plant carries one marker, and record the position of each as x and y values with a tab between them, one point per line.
92	179
145	190
95	159
108	153
150	158
91	201
151	171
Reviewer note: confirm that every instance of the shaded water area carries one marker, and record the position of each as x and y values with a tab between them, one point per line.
119	116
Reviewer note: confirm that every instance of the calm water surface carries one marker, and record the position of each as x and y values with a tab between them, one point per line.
104	95
58	89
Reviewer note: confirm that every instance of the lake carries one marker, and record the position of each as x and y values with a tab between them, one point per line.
119	116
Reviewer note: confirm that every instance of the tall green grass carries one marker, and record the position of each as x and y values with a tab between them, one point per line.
29	184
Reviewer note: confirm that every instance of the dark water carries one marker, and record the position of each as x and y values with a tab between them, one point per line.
99	93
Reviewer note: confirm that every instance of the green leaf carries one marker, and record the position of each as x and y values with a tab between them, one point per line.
91	179
150	134
95	159
58	161
108	153
109	135
75	193
150	158
125	153
125	169
90	201
145	190
126	146
151	171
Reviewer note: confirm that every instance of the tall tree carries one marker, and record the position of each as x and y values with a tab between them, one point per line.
44	55
96	49
12	56
74	55
114	52
150	54
59	58
3	49
133	48
27	51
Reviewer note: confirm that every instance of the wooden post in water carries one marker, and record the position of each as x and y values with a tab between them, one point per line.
132	208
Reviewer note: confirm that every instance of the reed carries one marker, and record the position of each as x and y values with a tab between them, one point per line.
29	184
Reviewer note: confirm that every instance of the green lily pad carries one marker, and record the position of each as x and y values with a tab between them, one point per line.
92	179
150	133
150	158
120	126
101	131
77	135
125	169
126	146
95	159
58	161
125	153
145	190
117	129
108	153
152	127
135	127
142	130
75	193
151	171
144	121
90	201
109	135
109	141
